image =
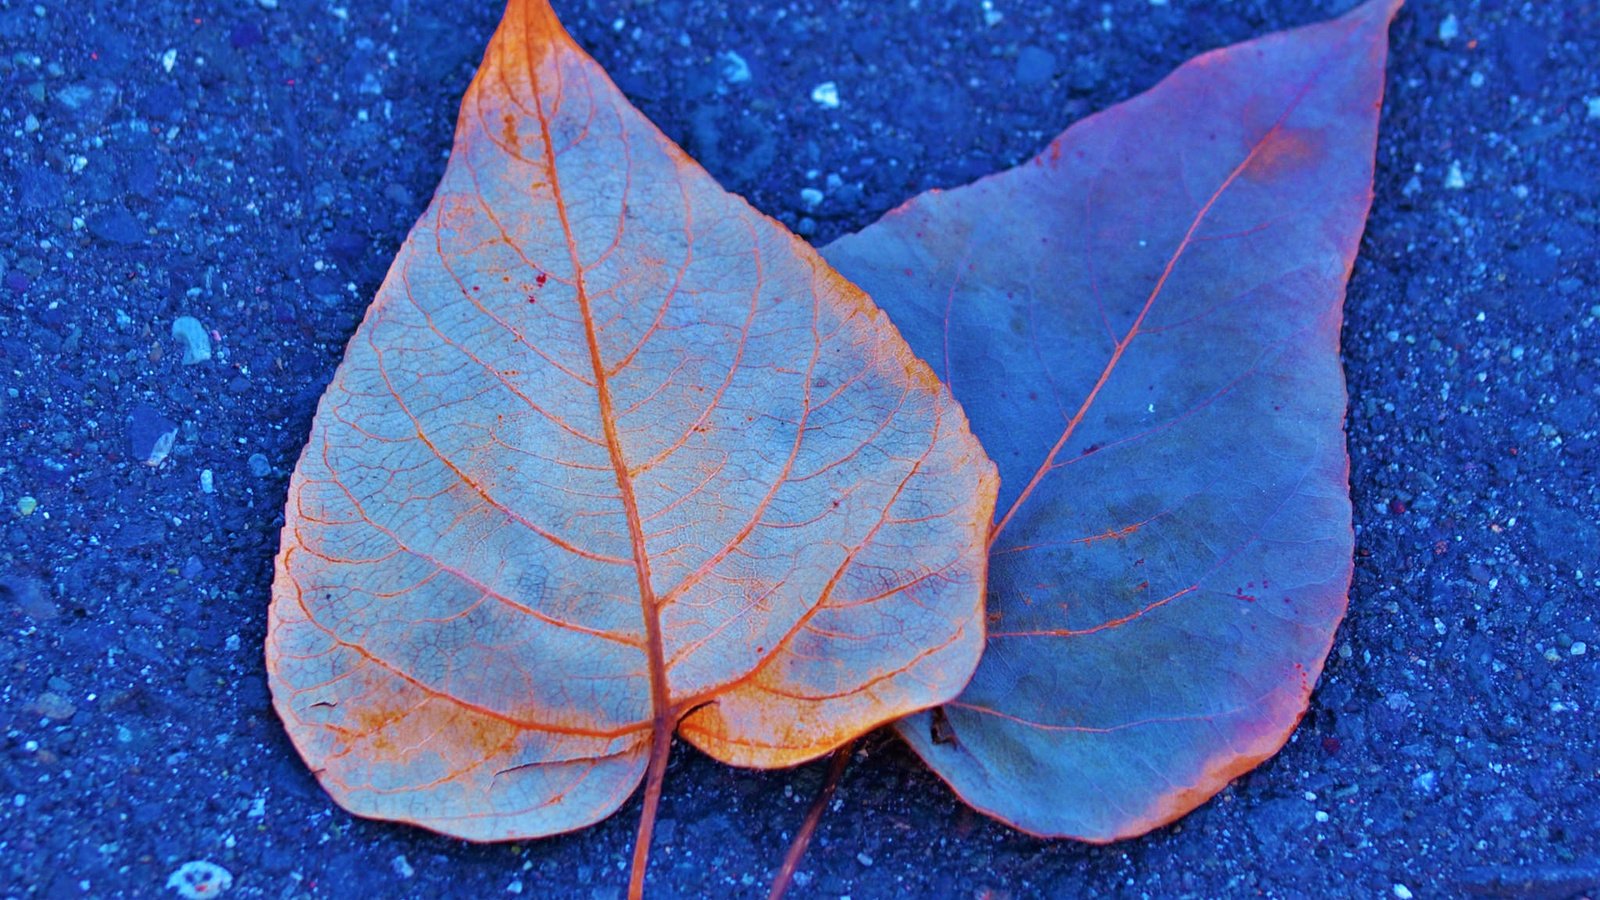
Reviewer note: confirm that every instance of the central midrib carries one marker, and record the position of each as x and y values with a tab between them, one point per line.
660	703
1134	329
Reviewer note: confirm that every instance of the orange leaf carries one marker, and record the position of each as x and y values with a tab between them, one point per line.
611	454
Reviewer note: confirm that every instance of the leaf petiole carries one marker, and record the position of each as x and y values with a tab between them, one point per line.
802	839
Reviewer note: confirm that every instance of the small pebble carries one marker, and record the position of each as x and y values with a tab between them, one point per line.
1035	65
1578	648
1403	892
29	597
196	343
1592	102
1449	29
150	435
199	879
259	466
402	866
734	69
1454	179
208	483
26	505
30	123
53	706
864	859
810	196
826	95
267	4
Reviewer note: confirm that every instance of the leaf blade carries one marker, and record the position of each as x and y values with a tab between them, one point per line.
1143	326
609	448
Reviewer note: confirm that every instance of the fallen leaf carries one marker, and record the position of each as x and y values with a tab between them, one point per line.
611	454
1143	325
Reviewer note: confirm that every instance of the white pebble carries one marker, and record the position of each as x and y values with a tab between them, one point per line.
207	482
1578	648
810	196
1449	29
1403	892
1454	180
734	69
402	866
198	880
169	59
196	343
826	95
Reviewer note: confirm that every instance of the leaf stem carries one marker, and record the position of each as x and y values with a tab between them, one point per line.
802	840
659	751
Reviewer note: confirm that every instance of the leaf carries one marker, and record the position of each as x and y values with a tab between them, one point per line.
1143	324
611	454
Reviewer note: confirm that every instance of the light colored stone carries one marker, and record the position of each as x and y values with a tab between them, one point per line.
196	342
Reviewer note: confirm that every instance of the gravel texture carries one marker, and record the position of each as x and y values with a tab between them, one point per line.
254	165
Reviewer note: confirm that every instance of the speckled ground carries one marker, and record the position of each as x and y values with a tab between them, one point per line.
256	168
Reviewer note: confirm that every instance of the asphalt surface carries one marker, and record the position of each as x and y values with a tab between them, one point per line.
254	165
